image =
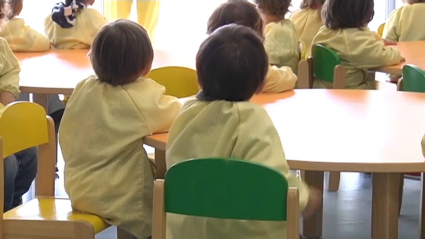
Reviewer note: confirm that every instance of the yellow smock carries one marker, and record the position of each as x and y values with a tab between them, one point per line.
88	22
308	23
22	38
9	69
281	43
279	79
359	50
107	171
240	130
406	23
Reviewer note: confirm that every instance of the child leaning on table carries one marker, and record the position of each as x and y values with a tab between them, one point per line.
21	37
278	79
345	31
102	130
221	122
72	25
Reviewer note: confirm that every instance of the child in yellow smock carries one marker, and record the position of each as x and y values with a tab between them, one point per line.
72	25
345	31
308	21
278	79
406	23
221	122
281	40
107	171
21	37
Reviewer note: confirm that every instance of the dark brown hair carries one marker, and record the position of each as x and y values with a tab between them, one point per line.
414	1
121	52
241	13
15	8
274	7
312	4
231	64
3	11
341	14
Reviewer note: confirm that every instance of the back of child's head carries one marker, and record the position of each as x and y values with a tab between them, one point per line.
87	2
237	12
274	7
121	53
15	8
342	14
312	4
3	11
413	1
231	64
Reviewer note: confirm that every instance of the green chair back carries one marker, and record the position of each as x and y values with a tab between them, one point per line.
226	189
324	62
413	79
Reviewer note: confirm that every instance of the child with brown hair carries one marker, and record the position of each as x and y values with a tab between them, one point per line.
406	23
72	25
21	37
308	21
103	127
346	33
281	40
278	79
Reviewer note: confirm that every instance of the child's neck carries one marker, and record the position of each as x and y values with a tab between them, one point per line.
272	18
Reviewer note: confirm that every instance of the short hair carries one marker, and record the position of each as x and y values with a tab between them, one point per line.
15	8
121	52
312	4
68	2
341	14
3	11
231	64
238	12
274	7
413	1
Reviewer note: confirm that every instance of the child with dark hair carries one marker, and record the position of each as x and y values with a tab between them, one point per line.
406	23
346	33
103	127
308	21
281	40
72	25
21	37
240	12
221	122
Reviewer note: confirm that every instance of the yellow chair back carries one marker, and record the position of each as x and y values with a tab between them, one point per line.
381	29
178	81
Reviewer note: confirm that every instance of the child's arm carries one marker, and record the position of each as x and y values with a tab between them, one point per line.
391	26
35	41
279	80
9	74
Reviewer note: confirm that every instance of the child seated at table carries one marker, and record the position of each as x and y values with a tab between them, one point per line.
308	21
346	33
278	79
20	168
72	25
406	23
281	40
221	122
21	37
102	130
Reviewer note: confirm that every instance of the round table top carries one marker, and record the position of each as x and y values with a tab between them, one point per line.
59	71
345	130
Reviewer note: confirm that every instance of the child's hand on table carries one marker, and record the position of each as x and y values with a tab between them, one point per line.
314	201
389	42
403	59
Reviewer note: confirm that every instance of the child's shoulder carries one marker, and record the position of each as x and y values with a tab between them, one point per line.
280	27
90	12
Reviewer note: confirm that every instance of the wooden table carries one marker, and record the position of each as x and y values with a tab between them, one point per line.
346	131
59	71
414	52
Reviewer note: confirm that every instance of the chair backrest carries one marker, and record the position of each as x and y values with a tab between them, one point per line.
226	189
324	62
413	79
381	29
178	81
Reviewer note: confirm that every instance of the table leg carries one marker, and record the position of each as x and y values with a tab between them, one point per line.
41	99
422	211
385	205
160	165
312	226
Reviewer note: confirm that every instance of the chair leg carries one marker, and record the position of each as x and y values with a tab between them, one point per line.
122	234
333	184
401	193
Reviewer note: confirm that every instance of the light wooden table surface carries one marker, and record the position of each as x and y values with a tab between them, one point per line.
414	52
346	131
59	71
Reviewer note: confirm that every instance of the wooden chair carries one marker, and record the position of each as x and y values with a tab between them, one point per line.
381	29
24	125
178	81
325	65
200	188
